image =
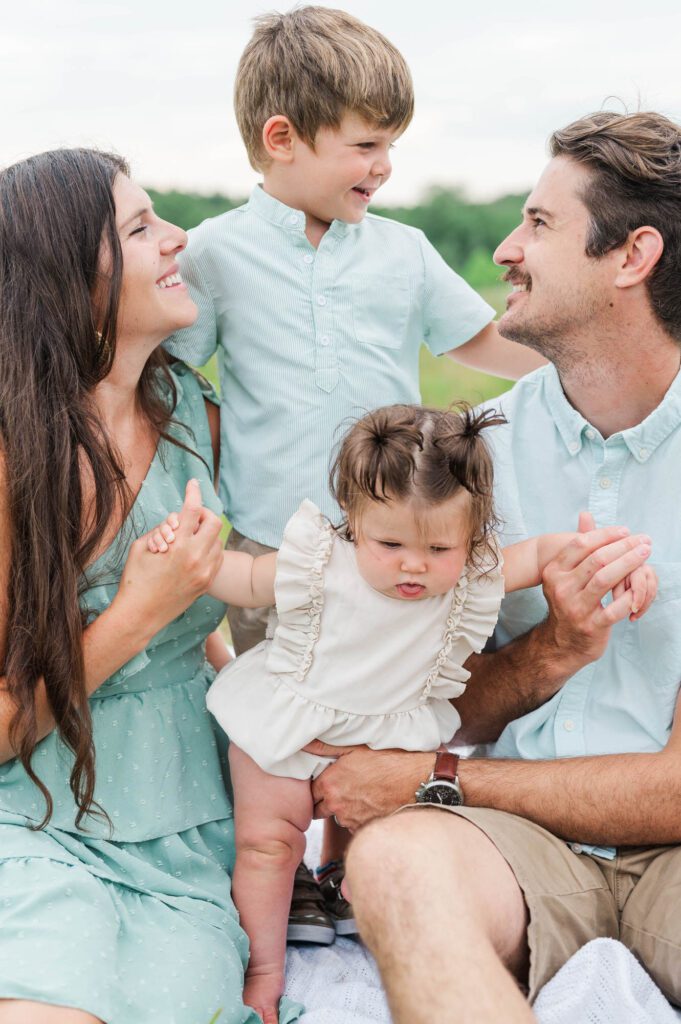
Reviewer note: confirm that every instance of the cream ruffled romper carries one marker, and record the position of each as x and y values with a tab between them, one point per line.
346	664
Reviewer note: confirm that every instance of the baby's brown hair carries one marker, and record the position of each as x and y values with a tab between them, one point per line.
411	451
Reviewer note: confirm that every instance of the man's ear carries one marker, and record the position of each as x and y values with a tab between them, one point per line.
278	138
640	253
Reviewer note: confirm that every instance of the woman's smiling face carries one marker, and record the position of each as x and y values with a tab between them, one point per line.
154	301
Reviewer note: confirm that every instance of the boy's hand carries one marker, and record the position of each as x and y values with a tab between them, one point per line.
641	584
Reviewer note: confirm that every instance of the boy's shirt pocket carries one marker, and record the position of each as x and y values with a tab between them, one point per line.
380	308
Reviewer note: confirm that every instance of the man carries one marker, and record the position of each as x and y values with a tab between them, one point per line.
569	830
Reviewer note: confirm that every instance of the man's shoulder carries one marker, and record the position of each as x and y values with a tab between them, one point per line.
526	398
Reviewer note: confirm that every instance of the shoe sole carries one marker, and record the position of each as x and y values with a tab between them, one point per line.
346	926
315	933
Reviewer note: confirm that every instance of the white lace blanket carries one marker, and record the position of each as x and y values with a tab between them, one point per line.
601	984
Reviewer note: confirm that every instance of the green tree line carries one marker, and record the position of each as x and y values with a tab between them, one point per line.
464	233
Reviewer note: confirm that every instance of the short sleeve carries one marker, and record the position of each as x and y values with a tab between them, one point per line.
453	312
299	590
472	617
195	344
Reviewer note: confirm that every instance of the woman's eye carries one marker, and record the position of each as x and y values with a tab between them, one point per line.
139	230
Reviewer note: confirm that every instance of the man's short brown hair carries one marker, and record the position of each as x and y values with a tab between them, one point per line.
635	181
314	64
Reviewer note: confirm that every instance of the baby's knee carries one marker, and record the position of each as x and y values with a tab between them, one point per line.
278	844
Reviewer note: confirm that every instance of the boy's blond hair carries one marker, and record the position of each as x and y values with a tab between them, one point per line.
314	64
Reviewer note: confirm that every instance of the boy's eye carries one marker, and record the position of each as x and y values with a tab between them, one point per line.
366	145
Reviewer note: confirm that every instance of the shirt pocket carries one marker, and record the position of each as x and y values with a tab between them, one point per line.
653	643
380	309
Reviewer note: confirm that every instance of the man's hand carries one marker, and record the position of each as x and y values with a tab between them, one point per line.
575	583
365	784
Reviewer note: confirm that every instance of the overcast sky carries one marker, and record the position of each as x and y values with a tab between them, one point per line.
153	80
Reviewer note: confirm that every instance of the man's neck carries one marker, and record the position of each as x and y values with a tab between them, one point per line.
618	390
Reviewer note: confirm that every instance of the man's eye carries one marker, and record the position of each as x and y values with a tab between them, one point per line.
537	222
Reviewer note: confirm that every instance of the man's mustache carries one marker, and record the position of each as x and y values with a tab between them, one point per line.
515	276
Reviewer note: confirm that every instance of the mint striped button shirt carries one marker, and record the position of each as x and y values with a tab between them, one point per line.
307	339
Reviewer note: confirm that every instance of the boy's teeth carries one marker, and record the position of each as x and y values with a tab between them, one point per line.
167	282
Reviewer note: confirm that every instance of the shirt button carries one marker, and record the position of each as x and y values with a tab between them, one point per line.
643	453
590	433
325	340
321	300
568	725
604	482
308	259
573	447
576	847
292	219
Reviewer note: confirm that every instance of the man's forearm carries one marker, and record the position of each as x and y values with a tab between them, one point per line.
613	800
509	683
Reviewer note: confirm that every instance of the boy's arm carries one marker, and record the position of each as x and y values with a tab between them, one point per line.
489	352
245	581
195	344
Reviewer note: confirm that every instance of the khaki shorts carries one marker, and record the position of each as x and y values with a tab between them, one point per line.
574	897
248	625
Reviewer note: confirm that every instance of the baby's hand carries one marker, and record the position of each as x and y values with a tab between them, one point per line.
642	584
159	539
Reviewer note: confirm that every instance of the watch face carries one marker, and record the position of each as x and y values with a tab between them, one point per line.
442	792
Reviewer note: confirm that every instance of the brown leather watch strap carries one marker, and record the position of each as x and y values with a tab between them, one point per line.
446	765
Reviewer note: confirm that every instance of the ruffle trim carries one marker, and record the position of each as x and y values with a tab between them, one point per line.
299	591
472	617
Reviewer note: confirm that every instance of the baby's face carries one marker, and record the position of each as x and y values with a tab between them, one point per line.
410	551
339	177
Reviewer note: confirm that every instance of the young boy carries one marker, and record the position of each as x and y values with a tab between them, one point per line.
316	308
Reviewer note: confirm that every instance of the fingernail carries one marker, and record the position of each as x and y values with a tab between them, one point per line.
623	531
643	549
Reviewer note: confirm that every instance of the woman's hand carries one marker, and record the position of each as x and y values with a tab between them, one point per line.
157	590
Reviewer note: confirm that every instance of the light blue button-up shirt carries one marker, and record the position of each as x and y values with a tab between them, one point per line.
550	464
307	339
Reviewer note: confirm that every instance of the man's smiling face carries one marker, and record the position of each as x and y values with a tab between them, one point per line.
560	290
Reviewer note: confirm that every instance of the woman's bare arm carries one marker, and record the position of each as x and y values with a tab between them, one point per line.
152	592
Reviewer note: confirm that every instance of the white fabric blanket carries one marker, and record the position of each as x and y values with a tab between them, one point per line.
601	984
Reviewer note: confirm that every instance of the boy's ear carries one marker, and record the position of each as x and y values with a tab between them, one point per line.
278	138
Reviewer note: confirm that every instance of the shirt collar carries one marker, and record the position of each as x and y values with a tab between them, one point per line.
276	212
641	440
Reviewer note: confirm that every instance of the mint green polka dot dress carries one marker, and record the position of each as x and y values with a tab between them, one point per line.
133	921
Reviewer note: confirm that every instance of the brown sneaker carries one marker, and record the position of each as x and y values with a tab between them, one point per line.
308	919
329	877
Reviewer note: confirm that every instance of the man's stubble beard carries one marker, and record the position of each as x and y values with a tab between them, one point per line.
560	338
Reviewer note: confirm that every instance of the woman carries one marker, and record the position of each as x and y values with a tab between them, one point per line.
115	829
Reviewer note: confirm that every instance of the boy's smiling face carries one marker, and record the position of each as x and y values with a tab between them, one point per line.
339	177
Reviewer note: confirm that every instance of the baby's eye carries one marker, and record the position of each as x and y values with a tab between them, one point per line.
438	550
389	544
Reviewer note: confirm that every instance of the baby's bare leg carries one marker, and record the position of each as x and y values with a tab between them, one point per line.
271	815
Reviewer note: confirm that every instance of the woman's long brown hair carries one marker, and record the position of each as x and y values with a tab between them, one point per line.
56	213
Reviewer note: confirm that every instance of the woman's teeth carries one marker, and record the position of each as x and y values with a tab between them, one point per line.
168	282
